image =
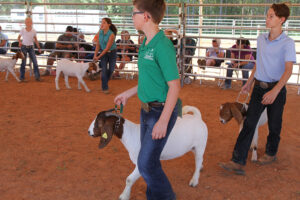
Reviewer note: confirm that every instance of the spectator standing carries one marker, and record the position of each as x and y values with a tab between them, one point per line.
28	35
108	51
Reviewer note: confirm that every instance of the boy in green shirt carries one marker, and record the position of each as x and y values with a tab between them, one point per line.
158	89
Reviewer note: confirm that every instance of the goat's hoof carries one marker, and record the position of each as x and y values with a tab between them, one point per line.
123	197
193	183
69	88
57	89
88	91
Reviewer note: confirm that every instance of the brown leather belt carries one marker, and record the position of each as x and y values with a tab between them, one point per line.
27	46
147	106
265	85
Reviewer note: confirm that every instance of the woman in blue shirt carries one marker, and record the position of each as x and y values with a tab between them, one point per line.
108	51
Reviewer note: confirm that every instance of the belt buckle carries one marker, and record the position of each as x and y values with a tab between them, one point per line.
145	107
263	85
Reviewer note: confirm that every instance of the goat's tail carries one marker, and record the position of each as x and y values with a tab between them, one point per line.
192	109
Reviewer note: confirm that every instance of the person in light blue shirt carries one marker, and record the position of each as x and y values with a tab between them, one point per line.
3	42
275	57
108	51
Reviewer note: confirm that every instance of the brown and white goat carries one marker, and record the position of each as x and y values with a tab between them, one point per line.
188	134
8	64
238	111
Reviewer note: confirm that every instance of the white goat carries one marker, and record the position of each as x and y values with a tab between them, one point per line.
188	134
8	64
238	111
78	70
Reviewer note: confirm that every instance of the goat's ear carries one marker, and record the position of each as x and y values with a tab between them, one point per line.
106	136
236	113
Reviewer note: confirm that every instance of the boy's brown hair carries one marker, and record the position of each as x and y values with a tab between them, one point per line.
281	10
156	8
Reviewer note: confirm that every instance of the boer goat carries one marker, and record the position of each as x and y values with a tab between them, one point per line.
78	70
238	111
8	64
188	134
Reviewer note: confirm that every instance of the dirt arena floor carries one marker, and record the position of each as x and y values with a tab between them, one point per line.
46	153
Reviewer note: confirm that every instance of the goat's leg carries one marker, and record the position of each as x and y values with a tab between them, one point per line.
80	80
57	79
79	86
67	82
198	151
254	145
13	73
131	179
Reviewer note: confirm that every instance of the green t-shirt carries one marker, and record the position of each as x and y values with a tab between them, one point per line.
157	65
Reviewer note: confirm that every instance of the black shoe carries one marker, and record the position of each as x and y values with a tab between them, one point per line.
46	73
38	79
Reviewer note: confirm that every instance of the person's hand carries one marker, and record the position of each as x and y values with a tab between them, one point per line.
235	65
269	97
20	44
246	88
121	99
69	46
40	51
96	58
159	130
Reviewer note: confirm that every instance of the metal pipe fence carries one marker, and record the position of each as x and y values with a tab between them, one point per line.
50	22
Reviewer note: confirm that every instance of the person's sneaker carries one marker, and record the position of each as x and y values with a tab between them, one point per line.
266	159
106	91
233	167
225	87
38	79
22	80
46	73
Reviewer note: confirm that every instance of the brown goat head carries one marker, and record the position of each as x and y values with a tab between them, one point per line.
106	125
229	110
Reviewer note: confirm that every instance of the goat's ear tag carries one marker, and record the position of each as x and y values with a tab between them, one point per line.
104	135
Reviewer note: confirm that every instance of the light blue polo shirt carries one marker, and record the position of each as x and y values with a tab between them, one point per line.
3	37
272	56
103	40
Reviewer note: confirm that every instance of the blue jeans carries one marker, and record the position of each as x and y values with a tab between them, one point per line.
109	58
245	73
3	51
274	112
158	185
32	56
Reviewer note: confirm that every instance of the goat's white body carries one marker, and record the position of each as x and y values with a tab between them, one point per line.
70	68
189	134
8	65
262	120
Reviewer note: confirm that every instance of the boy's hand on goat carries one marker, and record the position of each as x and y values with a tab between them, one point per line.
159	130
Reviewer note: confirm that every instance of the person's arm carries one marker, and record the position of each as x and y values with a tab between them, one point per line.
96	49
221	54
233	62
3	42
247	57
123	97
37	44
160	128
173	31
270	96
109	44
19	40
247	87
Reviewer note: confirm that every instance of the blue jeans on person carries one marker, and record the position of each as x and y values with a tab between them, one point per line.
32	56
108	60
3	51
158	185
274	112
245	73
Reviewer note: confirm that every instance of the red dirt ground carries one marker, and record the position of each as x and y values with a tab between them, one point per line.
46	152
